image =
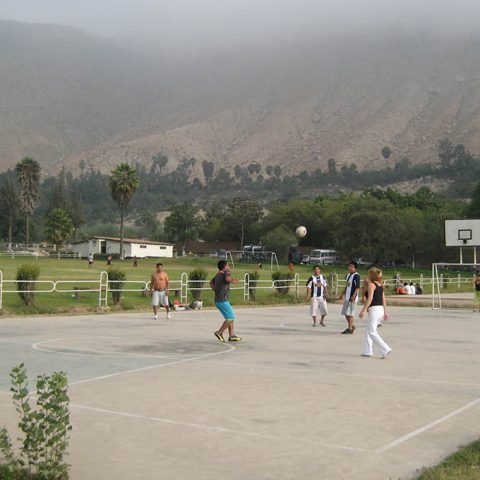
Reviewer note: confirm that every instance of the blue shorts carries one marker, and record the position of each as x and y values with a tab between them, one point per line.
226	310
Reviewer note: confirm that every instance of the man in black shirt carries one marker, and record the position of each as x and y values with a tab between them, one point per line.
220	284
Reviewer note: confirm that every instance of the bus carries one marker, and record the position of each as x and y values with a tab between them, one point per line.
322	256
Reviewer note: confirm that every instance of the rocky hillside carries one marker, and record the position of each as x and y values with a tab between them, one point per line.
68	97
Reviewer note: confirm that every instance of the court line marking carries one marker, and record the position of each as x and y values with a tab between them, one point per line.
217	429
428	426
357	375
38	346
231	348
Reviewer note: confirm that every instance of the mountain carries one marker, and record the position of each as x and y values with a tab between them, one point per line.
67	96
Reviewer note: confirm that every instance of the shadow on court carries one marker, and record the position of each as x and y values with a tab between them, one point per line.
164	399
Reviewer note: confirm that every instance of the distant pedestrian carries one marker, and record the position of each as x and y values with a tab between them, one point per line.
109	260
220	284
376	307
135	261
350	296
90	259
316	293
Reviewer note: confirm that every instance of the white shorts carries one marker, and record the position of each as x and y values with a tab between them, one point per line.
348	308
159	297
318	306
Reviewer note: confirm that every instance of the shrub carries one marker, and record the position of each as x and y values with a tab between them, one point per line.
196	280
116	279
45	429
282	282
26	276
252	285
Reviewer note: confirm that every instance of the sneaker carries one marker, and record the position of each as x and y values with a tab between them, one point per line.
347	331
385	355
219	336
155	317
322	323
169	316
233	338
314	324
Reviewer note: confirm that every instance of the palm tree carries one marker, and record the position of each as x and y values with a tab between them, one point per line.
28	174
58	226
123	183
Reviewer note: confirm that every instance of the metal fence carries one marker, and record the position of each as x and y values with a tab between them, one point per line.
184	287
36	254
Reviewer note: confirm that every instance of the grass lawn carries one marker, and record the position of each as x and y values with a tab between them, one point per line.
462	465
70	273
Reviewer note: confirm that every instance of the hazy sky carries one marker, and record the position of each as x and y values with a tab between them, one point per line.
213	22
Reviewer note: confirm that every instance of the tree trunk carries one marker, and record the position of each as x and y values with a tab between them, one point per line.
27	230
122	214
10	230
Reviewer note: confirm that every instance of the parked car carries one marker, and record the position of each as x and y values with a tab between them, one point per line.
306	259
362	262
323	256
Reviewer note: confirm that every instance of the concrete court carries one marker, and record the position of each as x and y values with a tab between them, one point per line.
165	400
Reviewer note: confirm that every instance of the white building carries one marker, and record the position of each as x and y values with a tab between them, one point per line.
131	247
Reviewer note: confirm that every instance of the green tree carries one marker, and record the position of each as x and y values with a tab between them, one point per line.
45	428
58	226
124	182
386	152
370	228
159	162
212	227
415	237
59	195
208	170
9	200
240	214
28	174
332	167
183	222
278	240
147	219
473	209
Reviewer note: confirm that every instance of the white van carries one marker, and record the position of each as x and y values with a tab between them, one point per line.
323	257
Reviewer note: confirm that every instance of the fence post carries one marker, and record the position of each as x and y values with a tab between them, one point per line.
1	290
296	279
103	288
334	282
184	288
246	287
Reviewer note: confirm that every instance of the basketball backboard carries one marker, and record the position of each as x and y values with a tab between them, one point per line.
462	233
